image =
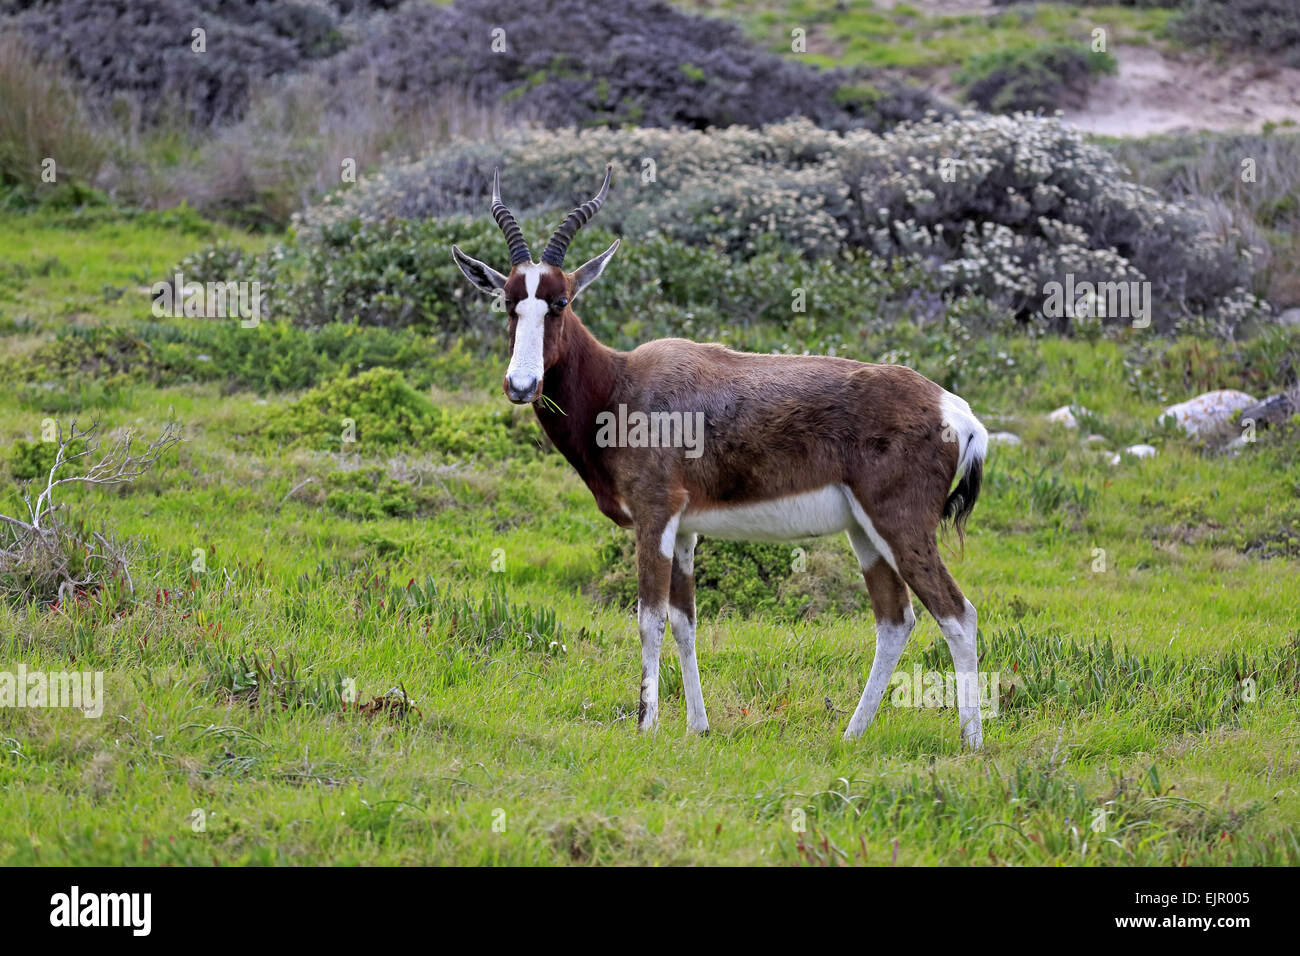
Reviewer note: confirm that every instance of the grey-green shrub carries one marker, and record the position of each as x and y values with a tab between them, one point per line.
1237	26
1043	77
1001	205
139	51
613	62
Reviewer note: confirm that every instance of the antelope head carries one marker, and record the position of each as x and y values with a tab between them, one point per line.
538	296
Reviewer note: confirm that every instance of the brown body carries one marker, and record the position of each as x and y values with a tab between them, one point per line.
776	425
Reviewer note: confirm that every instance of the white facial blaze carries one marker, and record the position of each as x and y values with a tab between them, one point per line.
526	362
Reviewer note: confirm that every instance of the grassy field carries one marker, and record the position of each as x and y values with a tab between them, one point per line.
1144	619
906	37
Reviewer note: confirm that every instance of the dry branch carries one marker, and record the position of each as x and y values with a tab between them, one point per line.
47	558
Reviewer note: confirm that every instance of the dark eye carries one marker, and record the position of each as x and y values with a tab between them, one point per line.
559	304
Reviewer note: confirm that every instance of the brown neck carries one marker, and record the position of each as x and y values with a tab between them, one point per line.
581	384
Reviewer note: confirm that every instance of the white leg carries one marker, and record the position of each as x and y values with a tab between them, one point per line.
890	641
891	635
650	622
960	633
682	620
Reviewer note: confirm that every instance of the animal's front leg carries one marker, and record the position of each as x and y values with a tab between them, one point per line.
654	560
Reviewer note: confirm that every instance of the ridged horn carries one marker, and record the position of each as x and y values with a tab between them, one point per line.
559	244
514	236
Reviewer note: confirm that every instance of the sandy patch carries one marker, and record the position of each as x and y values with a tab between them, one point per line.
1155	92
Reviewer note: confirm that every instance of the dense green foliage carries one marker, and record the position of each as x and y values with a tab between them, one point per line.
1269	27
378	410
1044	77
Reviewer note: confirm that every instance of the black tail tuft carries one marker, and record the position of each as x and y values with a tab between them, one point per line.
962	500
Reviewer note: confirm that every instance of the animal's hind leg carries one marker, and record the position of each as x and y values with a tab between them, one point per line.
894	621
923	569
909	548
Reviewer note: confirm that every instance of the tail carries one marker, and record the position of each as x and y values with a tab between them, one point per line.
972	448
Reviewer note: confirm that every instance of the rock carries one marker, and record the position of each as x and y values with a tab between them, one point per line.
1065	415
1004	438
1095	439
1289	317
1273	410
1137	451
1208	412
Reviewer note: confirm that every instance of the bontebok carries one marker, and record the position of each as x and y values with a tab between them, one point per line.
677	439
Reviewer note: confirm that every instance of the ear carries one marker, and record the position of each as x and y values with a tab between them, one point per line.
588	272
485	278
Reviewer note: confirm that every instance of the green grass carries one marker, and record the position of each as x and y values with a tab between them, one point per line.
861	34
57	266
1127	705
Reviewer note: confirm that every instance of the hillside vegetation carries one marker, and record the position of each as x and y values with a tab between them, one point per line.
370	616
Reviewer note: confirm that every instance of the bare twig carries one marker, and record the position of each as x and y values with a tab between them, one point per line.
118	465
296	488
47	559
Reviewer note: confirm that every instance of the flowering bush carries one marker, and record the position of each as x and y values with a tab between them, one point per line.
1002	205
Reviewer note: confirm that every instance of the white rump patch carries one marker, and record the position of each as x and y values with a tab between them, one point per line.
971	437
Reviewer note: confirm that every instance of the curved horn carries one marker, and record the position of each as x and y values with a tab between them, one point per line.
559	244
514	236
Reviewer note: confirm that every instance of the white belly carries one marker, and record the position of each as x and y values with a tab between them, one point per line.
807	515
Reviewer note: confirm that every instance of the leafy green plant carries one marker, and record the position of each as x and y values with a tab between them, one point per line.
1044	77
268	681
746	578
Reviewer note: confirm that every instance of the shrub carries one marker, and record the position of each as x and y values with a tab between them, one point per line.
1002	205
1044	77
386	414
746	578
257	126
111	357
274	356
657	287
573	62
291	145
369	494
138	52
1262	26
1207	171
41	117
29	460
